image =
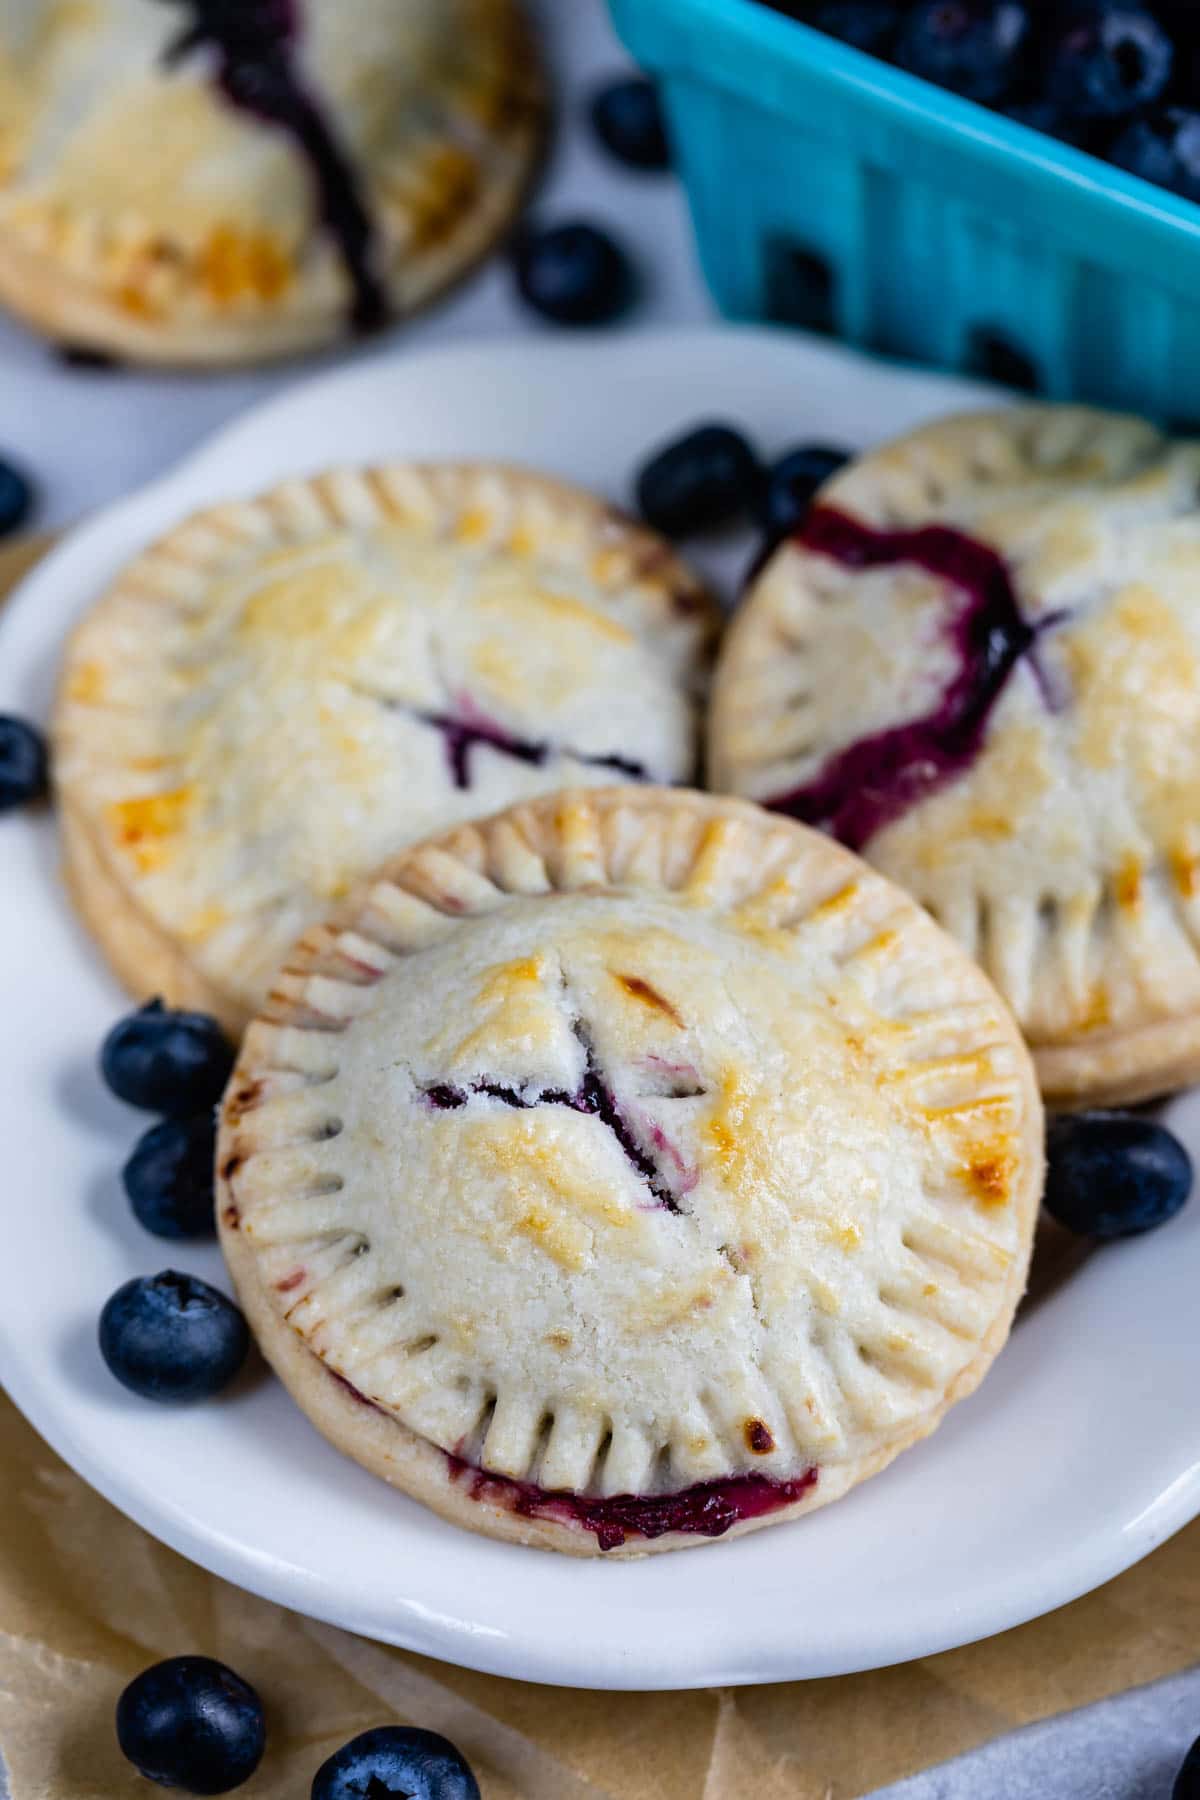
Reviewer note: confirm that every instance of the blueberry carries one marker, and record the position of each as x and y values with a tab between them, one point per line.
867	24
972	46
1187	1782
1163	148
169	1177
172	1337
701	480
24	763
395	1760
1044	116
1107	62
89	361
627	118
191	1723
16	497
791	484
1112	1175
165	1061
574	274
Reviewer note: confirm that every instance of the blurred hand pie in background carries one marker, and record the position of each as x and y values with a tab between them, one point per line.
218	181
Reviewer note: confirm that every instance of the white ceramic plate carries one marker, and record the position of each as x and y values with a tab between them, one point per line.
1079	1455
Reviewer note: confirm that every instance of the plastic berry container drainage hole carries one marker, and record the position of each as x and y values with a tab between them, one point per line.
834	192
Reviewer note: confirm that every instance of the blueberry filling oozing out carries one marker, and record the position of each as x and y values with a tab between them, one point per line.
593	1097
707	1509
876	779
471	729
254	42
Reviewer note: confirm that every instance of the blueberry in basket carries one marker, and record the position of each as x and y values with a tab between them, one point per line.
972	46
1163	147
1119	78
867	24
1106	61
396	1760
192	1724
1113	1174
172	1337
166	1061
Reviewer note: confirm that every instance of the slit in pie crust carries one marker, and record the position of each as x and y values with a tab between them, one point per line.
284	691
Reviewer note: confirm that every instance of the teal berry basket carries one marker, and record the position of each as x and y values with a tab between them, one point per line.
834	192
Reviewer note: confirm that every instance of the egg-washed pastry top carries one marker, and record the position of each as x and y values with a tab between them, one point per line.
629	1169
285	690
978	663
221	180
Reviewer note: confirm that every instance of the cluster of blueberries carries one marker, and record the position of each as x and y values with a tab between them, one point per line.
1116	77
712	476
190	1722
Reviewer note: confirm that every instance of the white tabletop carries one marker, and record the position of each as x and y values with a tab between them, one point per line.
88	436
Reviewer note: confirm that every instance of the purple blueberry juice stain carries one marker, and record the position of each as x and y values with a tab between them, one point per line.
878	778
254	43
468	728
707	1509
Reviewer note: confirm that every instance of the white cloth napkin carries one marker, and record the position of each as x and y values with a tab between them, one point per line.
1129	1748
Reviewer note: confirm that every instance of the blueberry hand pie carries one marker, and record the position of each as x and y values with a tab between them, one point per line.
207	181
978	663
628	1170
286	690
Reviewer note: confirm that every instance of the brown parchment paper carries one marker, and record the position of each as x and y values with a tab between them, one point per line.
87	1600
